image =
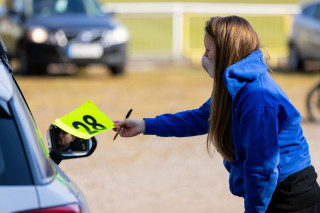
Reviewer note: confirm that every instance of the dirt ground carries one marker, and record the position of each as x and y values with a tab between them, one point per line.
147	173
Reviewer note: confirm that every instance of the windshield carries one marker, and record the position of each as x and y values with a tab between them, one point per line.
60	7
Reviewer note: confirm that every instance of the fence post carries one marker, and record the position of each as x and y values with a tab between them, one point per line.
177	31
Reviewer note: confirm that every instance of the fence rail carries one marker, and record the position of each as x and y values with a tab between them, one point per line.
176	30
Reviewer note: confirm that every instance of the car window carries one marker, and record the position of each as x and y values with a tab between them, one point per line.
35	147
56	7
309	11
14	168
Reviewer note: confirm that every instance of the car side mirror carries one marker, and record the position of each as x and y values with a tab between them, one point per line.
63	145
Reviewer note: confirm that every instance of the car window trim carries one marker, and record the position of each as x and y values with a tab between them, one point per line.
21	142
39	179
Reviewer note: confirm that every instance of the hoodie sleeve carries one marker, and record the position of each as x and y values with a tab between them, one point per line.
181	124
259	137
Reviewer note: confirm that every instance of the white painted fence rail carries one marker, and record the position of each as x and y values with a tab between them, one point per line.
272	9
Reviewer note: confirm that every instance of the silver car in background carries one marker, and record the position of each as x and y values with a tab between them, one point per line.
304	42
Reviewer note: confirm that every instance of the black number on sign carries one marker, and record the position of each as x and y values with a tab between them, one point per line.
91	121
76	125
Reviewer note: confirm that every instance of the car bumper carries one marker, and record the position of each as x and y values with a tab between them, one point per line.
45	53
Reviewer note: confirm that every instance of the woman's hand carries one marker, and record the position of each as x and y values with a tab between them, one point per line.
129	127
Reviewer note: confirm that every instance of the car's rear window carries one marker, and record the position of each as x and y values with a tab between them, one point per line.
14	168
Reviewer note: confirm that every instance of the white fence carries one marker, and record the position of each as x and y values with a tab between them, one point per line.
181	12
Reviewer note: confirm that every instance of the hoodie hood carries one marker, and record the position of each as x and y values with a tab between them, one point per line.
246	70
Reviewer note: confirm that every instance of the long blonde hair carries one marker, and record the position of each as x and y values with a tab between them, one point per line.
235	39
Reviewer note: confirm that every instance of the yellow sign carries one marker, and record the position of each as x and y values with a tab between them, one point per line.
85	122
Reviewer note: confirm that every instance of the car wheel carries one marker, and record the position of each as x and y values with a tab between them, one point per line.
38	68
295	61
117	69
30	68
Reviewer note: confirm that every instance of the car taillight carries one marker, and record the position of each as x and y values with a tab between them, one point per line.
71	208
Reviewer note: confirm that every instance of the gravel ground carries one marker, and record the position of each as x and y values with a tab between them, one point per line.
148	173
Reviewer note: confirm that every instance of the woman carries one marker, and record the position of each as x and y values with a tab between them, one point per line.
250	122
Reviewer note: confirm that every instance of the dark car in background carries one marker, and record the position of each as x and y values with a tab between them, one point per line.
305	37
40	32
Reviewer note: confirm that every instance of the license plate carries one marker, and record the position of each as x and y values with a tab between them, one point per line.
84	51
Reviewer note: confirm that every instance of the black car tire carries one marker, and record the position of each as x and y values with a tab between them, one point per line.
30	68
117	69
295	60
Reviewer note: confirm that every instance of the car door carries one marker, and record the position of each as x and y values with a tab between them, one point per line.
17	190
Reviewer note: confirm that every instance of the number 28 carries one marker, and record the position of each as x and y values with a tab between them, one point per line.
90	121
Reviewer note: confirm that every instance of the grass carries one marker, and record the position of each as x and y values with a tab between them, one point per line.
149	33
152	34
269	28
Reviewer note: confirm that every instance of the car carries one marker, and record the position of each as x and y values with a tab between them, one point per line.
30	178
304	43
41	32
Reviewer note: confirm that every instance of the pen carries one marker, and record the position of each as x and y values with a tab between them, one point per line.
127	116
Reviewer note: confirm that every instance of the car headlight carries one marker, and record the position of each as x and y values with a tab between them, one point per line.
118	35
38	34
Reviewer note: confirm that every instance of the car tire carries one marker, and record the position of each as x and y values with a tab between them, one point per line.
295	60
117	69
30	68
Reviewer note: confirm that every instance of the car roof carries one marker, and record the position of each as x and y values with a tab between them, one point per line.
5	84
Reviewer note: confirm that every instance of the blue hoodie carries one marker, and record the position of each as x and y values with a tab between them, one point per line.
267	136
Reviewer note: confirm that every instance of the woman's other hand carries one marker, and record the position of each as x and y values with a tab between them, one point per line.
129	127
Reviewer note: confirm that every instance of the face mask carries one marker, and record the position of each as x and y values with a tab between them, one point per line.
208	65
